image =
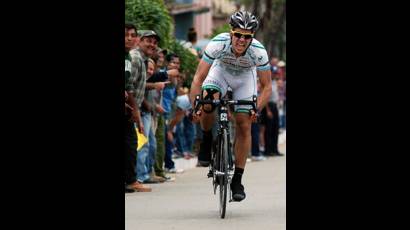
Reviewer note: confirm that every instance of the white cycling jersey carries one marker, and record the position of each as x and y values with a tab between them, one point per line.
219	49
237	73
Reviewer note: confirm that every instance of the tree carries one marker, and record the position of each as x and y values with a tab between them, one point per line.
272	30
225	28
154	15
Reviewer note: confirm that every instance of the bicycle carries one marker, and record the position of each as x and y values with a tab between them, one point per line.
221	167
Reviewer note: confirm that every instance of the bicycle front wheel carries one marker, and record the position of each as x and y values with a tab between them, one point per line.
223	169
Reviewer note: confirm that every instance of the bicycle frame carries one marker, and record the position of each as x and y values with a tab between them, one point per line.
221	166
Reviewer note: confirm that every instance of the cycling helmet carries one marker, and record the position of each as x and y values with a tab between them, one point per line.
244	20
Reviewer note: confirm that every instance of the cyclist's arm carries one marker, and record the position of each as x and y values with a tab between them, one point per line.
200	75
266	88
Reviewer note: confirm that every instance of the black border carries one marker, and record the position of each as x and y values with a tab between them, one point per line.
64	115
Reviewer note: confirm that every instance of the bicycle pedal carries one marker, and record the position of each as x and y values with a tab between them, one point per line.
210	174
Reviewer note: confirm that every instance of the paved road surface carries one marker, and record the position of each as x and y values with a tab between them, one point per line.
189	203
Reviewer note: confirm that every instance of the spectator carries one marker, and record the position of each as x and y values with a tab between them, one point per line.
257	154
282	94
192	38
132	115
147	47
270	118
185	130
164	148
182	107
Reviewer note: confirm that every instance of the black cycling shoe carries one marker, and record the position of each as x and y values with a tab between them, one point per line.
210	174
204	155
238	192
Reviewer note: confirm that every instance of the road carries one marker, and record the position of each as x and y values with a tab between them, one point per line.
189	203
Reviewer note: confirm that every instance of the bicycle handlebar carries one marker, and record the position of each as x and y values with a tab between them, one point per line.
199	102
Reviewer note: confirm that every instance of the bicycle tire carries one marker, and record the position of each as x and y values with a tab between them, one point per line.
223	168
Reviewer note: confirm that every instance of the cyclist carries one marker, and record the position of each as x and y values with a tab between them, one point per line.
232	60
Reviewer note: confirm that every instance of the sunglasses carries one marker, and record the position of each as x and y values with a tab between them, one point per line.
239	35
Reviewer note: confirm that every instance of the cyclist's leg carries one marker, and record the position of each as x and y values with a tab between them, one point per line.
208	113
244	87
243	139
242	148
213	87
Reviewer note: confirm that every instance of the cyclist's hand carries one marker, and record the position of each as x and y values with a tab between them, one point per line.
254	116
196	116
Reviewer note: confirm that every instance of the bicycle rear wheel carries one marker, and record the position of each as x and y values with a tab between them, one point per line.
223	169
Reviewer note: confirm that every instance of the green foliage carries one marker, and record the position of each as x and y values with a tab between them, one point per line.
150	15
153	15
189	62
221	29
